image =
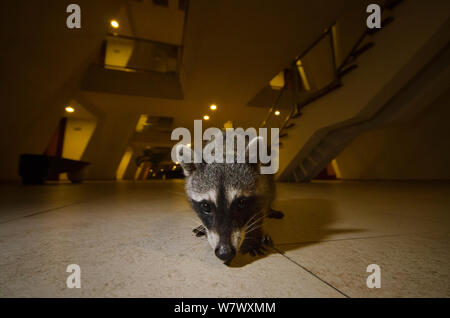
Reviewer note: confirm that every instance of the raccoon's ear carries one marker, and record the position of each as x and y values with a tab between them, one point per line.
185	156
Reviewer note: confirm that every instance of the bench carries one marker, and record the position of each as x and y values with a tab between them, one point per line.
34	169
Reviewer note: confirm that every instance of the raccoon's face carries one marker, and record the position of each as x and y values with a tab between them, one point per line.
227	200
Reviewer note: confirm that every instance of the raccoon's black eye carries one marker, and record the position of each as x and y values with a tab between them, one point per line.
206	207
242	203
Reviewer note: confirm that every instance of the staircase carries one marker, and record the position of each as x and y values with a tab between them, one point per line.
385	72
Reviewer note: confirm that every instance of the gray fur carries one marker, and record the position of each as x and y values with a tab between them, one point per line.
205	181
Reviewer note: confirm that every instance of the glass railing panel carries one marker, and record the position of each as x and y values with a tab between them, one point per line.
133	54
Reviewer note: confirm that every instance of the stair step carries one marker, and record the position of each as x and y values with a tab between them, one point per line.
311	160
302	169
320	150
296	114
290	125
347	69
362	49
295	174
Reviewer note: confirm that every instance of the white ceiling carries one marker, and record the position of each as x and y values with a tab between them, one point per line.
232	49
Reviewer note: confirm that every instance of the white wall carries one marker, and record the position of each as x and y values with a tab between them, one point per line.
108	145
41	66
418	149
76	137
402	49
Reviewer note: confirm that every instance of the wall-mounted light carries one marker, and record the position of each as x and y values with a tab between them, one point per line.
206	117
70	109
213	107
114	24
277	113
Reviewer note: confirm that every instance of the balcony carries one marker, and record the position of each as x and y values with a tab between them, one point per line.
134	66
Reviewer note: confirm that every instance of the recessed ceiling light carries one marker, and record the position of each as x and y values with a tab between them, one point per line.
213	107
206	117
114	24
69	109
277	113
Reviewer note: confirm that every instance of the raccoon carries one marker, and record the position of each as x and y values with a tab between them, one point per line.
231	200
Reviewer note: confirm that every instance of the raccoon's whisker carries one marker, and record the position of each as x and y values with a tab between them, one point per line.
256	221
253	216
252	229
195	223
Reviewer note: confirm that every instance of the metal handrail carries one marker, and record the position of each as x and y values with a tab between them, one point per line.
275	105
295	108
168	46
294	101
128	37
133	69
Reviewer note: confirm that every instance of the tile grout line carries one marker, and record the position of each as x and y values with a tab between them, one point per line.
307	270
357	238
43	211
51	209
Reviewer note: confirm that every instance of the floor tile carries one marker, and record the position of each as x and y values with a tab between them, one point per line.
410	265
136	244
135	240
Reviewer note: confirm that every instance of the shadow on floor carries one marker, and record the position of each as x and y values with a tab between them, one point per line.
305	222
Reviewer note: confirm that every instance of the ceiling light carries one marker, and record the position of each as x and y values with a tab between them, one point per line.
213	107
206	117
69	109
277	113
114	24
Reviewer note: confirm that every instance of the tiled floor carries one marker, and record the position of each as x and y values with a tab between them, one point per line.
135	240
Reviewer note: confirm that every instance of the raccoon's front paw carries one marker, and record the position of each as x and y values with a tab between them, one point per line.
274	214
253	247
199	231
267	240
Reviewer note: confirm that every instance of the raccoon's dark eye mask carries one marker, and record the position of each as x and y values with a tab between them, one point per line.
205	206
242	203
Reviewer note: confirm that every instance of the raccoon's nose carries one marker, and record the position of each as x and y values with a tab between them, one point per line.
225	252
